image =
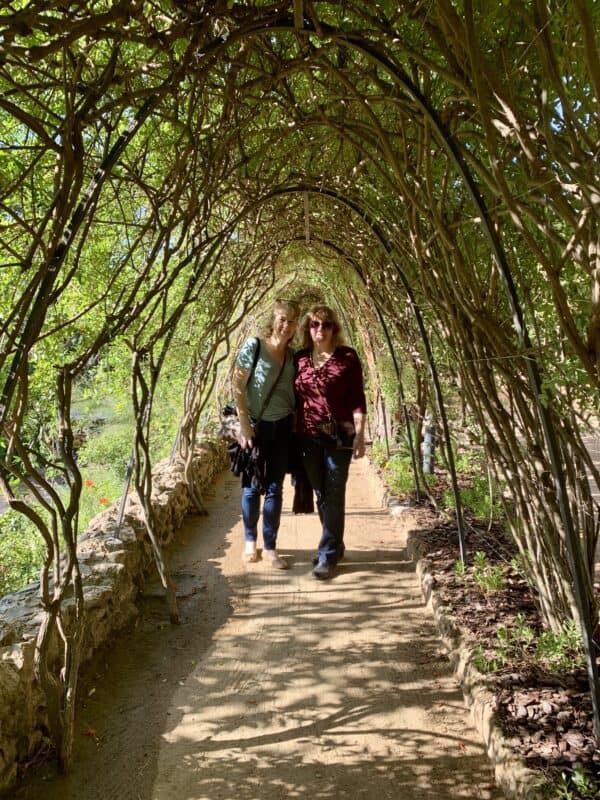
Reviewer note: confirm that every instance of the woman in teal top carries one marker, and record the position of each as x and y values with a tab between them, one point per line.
274	367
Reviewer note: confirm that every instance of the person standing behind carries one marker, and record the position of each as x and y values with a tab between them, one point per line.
331	413
266	394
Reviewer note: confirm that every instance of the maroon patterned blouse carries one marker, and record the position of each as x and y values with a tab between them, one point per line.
335	389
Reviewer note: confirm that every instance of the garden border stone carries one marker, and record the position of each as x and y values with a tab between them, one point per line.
513	776
114	568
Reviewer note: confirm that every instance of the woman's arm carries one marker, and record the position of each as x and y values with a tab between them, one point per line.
359	413
239	381
359	438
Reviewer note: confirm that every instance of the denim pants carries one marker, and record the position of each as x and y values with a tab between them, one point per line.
273	440
327	470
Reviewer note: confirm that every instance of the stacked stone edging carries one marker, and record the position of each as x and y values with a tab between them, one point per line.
516	780
113	570
512	775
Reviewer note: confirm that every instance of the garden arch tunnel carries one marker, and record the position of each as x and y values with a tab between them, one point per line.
168	169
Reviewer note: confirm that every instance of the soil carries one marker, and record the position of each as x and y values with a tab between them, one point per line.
277	685
544	708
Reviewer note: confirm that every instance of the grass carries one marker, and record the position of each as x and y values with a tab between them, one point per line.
397	468
22	548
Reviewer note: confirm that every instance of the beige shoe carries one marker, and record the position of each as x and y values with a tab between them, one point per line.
251	558
274	560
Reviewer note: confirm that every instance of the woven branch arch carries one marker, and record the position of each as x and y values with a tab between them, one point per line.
155	160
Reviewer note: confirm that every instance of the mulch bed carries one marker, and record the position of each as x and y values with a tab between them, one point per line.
546	714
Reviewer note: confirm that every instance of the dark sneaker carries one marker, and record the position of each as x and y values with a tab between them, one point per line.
322	571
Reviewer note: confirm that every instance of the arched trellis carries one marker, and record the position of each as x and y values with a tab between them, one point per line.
447	142
206	49
572	540
533	371
453	152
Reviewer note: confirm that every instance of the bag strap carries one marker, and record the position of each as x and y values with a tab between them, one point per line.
255	359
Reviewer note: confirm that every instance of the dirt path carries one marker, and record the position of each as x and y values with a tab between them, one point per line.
277	685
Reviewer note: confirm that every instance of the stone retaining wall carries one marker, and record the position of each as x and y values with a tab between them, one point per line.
113	571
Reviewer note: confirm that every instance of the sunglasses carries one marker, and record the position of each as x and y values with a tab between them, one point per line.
324	325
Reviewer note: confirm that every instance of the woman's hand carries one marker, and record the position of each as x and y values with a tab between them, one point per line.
246	436
359	446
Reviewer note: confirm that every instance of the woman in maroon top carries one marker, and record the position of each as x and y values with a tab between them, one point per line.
331	411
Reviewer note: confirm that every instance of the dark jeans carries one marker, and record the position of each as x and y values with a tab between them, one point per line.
273	441
327	470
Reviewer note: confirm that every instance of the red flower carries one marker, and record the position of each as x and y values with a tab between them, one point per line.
104	500
88	483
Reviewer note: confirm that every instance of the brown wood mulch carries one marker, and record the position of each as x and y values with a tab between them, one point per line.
544	712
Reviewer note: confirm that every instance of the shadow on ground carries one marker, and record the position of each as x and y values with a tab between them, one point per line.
276	685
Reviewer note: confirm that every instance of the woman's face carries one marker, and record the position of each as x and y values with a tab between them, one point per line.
321	330
284	324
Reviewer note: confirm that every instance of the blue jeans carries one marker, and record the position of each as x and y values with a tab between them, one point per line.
327	470
273	441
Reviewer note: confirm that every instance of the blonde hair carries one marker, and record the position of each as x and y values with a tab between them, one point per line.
323	314
279	306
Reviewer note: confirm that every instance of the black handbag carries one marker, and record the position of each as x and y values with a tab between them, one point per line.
240	456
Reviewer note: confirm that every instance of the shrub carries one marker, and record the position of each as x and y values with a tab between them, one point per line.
460	568
477	498
484	664
489	578
562	650
22	552
577	785
111	448
399	475
379	452
557	652
511	644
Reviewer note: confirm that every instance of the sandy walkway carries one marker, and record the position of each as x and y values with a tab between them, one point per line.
277	685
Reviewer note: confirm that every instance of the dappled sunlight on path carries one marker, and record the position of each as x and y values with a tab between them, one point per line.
325	689
277	685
